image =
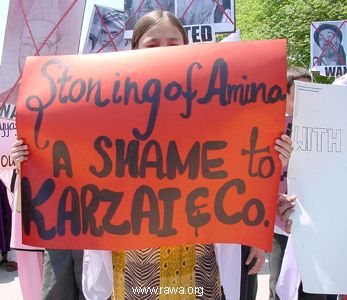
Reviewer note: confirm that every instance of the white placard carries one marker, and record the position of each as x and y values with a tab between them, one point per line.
317	175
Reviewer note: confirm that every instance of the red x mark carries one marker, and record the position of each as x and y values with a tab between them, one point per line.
37	48
328	43
218	5
107	32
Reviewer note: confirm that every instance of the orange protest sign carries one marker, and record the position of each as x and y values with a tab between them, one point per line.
145	148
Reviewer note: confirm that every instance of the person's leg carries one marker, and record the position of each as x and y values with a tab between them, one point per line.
78	268
58	276
279	244
30	273
4	257
10	265
249	283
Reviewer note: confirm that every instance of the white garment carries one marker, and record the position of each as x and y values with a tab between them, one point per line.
229	264
289	280
97	274
280	231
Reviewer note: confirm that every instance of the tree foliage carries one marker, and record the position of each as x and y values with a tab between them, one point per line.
289	19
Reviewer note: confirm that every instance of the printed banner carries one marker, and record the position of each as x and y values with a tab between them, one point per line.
7	134
7	111
37	27
328	47
137	149
106	31
216	15
7	137
317	173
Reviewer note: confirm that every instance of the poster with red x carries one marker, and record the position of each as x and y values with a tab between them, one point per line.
328	47
37	28
106	31
201	18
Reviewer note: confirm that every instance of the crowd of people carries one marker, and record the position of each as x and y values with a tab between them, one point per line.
86	274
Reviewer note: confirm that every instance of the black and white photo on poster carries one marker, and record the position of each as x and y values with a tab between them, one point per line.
219	14
328	47
106	31
135	9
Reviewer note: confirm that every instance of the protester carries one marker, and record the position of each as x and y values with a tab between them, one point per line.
289	285
191	266
187	266
280	235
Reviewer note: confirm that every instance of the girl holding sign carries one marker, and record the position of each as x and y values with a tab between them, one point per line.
192	268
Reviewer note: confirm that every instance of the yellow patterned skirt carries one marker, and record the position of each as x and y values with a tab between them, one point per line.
174	273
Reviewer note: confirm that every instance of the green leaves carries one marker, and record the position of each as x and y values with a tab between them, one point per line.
289	19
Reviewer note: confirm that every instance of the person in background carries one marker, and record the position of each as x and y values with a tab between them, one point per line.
280	235
288	280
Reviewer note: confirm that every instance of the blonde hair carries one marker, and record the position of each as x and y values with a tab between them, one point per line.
153	18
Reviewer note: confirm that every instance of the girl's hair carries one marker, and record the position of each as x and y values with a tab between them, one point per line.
154	18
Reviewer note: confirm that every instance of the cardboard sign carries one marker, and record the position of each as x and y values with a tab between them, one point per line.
141	149
316	174
7	137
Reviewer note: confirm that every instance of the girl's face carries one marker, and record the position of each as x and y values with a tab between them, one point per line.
162	34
